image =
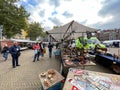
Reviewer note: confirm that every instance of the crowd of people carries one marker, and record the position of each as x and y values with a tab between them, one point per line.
14	50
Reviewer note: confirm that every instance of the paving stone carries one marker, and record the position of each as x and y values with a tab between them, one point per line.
26	76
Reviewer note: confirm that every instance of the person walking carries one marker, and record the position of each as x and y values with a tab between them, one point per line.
39	52
5	51
36	48
57	45
50	46
15	53
42	50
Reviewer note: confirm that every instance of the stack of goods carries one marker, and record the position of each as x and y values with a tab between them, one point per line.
50	78
73	57
74	60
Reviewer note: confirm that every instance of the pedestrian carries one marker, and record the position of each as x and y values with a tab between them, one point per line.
39	51
42	48
15	53
5	51
50	46
36	48
57	45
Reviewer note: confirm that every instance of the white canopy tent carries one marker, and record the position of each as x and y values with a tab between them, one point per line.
72	29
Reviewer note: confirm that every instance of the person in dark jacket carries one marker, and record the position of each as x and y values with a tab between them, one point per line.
50	46
15	53
5	51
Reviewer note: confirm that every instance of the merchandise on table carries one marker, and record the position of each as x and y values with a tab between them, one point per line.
50	78
90	80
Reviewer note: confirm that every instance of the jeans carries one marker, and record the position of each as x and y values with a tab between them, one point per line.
50	54
14	60
5	55
39	53
35	56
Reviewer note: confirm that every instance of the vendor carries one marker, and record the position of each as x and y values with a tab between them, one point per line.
79	45
86	47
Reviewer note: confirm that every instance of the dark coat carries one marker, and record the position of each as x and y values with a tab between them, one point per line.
15	50
5	49
50	46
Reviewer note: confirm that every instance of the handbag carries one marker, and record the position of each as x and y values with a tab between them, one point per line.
44	50
35	51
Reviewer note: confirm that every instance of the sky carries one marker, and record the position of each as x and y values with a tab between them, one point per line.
98	14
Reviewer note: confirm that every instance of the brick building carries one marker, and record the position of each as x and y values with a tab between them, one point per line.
109	35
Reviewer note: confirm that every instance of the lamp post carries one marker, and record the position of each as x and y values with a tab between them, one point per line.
1	29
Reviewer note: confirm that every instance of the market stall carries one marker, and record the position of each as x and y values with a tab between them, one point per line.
78	79
51	80
70	59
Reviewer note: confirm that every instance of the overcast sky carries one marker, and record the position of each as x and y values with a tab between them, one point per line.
99	14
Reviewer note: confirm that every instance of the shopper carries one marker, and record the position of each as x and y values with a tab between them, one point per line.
36	48
57	45
50	46
5	51
39	51
15	53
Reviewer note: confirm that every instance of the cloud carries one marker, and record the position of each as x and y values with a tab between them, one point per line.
93	13
67	0
111	7
42	13
55	21
47	28
56	3
39	1
67	14
54	13
111	24
83	22
32	3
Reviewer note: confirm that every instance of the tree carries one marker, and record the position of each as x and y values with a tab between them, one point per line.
55	27
35	30
12	17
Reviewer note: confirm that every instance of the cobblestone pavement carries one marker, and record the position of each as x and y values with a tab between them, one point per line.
26	76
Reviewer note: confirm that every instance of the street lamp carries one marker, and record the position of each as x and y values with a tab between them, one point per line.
1	29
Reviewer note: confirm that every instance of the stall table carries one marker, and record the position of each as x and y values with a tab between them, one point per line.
54	83
75	64
78	79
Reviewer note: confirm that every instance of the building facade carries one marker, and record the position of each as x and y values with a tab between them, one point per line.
109	35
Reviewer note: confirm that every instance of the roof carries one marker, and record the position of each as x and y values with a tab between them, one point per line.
65	30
